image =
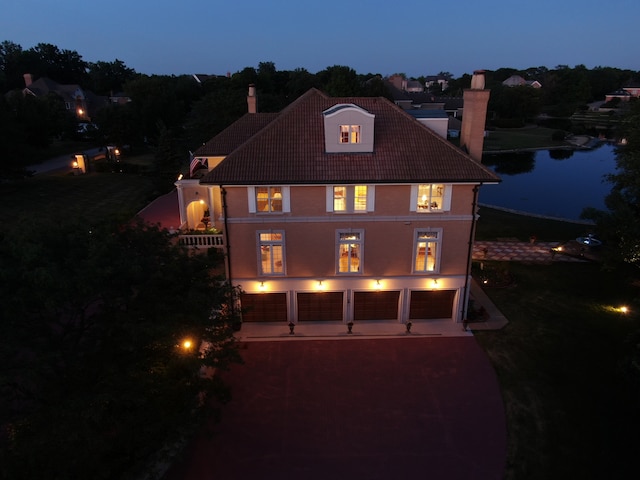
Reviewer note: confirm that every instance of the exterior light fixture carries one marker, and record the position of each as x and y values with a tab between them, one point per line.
624	309
179	177
434	283
378	285
186	344
262	286
320	285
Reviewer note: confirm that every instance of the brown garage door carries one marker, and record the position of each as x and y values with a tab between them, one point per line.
318	307
264	307
431	304
376	305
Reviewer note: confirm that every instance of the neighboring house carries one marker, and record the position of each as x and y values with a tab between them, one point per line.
401	83
432	80
621	94
518	81
82	103
342	210
633	90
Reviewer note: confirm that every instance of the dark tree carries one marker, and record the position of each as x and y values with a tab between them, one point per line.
95	380
109	77
619	225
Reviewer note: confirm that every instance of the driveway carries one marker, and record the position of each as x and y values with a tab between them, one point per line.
390	408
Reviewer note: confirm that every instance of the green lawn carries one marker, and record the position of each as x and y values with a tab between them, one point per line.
530	137
570	411
33	201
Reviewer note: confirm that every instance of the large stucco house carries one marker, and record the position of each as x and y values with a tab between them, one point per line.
342	209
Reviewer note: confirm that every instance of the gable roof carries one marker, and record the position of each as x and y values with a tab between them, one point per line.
290	149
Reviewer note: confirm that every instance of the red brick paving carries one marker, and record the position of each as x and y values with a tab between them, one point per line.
370	409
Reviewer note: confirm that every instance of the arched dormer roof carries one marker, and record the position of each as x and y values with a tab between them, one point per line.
348	128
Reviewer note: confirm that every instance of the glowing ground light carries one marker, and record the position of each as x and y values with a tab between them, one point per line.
623	309
186	344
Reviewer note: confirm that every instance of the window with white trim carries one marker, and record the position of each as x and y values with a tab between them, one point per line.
430	197
271	252
350	251
349	133
268	199
426	251
350	198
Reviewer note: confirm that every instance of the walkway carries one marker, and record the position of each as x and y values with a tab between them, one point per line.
538	252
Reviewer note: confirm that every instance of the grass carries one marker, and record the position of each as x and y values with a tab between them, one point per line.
530	137
571	413
30	202
495	224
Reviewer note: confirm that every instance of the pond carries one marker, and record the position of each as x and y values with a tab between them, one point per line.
555	183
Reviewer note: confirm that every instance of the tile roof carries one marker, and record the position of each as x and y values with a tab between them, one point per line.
290	149
235	135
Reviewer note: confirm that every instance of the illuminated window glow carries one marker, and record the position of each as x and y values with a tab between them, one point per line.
350	251
349	133
268	199
427	244
271	246
430	198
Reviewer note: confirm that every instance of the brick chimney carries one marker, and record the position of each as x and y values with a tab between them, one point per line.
474	116
252	100
28	79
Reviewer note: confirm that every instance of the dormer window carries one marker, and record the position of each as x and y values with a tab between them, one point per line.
348	128
349	133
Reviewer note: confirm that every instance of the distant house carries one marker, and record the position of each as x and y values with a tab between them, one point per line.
82	103
623	95
401	83
518	81
342	210
432	80
633	90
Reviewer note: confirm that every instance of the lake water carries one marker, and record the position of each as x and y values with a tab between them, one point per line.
556	183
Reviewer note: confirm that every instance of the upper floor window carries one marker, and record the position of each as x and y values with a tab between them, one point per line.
268	199
430	197
350	251
349	133
350	198
271	250
426	250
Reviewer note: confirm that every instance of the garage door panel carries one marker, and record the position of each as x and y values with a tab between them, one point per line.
431	304
264	307
376	305
320	307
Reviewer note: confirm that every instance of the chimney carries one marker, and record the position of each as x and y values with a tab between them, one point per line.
252	100
28	79
474	116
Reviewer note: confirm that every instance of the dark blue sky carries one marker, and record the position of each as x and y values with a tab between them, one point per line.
416	37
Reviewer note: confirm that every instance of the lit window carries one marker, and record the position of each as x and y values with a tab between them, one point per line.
350	198
349	133
271	246
426	250
430	198
350	251
268	199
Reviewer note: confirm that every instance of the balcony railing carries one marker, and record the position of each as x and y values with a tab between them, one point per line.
204	240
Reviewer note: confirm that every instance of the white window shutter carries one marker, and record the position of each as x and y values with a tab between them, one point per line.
371	198
251	198
446	201
286	200
413	206
329	195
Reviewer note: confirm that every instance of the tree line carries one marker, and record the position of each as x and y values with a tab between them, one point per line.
190	113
